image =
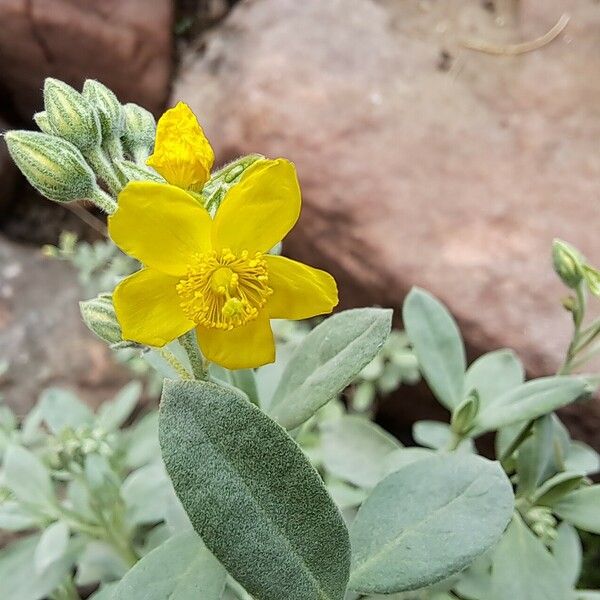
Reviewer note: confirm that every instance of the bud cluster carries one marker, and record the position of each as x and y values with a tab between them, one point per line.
82	135
73	445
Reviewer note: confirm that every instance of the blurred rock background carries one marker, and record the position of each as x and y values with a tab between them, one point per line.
422	161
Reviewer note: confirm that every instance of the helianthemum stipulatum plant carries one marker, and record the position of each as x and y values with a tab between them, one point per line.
261	520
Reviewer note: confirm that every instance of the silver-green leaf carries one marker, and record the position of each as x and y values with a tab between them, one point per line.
427	521
438	345
326	362
252	495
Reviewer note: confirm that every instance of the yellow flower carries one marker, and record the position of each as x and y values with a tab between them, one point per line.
216	275
182	154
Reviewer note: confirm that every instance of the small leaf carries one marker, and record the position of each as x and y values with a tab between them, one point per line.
534	455
494	374
113	414
428	521
522	567
250	492
398	459
52	546
13	517
437	435
354	449
27	477
179	569
530	401
568	552
556	487
438	345
61	408
141	442
580	508
326	362
147	493
581	458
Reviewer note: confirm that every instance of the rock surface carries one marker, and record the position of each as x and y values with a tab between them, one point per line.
126	45
41	333
422	162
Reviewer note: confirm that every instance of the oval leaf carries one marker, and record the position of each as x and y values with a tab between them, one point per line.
326	362
354	449
52	546
438	345
530	401
581	508
252	495
179	569
427	521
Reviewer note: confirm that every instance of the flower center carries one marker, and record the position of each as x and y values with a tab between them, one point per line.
222	290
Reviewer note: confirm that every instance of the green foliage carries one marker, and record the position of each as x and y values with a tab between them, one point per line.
252	495
415	528
326	362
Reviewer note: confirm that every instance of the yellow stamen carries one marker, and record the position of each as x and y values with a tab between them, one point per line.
223	290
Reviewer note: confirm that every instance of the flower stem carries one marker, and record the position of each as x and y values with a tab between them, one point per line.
173	362
104	170
190	345
102	200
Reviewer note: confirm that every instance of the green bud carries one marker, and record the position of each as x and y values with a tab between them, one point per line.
53	166
463	416
100	317
139	131
567	263
70	115
108	107
41	120
592	278
134	172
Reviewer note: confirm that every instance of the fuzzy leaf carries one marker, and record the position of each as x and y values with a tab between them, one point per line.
252	495
354	449
438	345
529	401
326	362
581	508
179	569
427	521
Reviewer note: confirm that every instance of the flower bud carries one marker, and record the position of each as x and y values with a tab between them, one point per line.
139	131
592	278
70	115
463	416
108	108
53	166
567	263
100	317
41	120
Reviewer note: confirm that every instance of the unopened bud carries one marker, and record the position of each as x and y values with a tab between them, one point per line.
139	131
41	120
567	263
100	317
108	107
464	415
70	115
592	278
53	166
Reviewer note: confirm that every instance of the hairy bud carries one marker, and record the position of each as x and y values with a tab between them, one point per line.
100	317
139	131
108	107
41	120
567	263
70	115
53	166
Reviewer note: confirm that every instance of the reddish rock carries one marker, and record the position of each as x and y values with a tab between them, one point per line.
126	45
42	336
422	162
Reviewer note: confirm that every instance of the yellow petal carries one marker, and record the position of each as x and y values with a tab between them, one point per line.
160	225
299	291
244	347
258	212
147	307
182	154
